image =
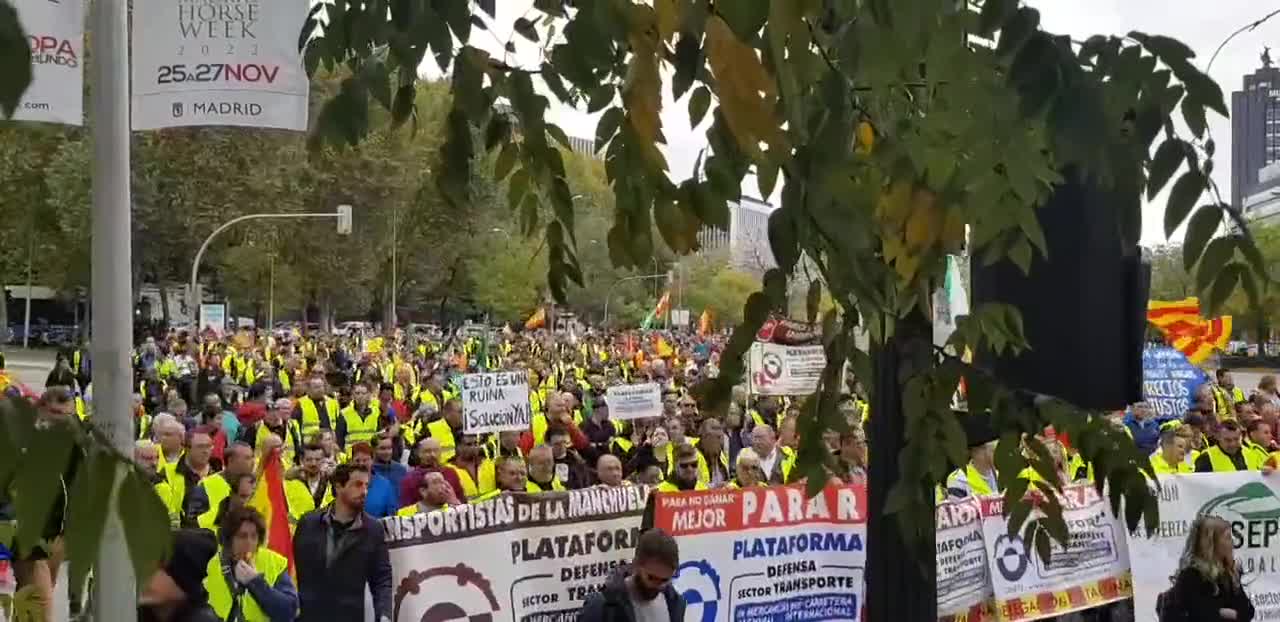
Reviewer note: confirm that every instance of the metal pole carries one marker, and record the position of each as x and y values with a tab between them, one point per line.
271	297
26	323
195	264
112	284
609	293
394	319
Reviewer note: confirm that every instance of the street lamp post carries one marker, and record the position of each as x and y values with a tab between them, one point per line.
344	228
609	294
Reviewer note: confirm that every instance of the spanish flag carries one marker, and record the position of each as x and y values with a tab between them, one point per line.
537	320
1186	331
270	501
704	323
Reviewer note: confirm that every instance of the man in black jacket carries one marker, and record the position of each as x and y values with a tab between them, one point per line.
632	592
340	549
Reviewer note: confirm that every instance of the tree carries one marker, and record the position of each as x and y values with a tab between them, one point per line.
893	128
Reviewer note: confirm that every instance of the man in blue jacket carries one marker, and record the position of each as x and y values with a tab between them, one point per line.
1144	426
385	464
382	497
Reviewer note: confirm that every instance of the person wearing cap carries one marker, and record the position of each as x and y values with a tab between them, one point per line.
978	477
176	592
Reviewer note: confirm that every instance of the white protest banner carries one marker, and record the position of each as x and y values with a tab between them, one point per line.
213	319
1248	500
1093	568
634	401
219	62
963	585
495	402
515	557
768	554
55	32
776	369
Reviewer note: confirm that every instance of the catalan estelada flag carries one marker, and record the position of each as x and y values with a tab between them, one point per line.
664	305
269	500
1188	332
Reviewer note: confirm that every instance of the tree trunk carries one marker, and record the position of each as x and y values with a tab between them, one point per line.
901	582
4	314
164	303
326	314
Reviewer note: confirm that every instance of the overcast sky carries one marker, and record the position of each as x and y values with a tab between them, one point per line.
1201	24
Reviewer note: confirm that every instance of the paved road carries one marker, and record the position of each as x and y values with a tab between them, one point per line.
30	367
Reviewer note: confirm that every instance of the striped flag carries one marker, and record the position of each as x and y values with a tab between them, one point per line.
269	500
537	320
1186	331
704	323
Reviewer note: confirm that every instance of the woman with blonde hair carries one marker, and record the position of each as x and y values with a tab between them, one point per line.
1207	587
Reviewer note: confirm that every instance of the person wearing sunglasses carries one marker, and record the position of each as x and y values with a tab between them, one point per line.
641	591
684	475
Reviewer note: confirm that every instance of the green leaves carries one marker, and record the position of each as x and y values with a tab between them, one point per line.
15	60
1186	191
88	504
44	461
1203	225
1223	285
144	517
526	29
1166	161
699	102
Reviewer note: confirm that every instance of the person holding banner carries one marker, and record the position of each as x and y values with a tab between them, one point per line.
1207	586
747	471
542	471
685	475
434	494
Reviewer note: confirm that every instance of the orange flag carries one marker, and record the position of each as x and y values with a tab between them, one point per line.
537	320
270	501
1186	331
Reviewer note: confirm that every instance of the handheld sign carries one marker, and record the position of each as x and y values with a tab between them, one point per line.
776	369
634	401
495	402
1169	381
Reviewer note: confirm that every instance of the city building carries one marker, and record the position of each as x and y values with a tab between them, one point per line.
747	239
1255	129
1262	204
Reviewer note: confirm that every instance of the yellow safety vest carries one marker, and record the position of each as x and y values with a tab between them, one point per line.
485	472
360	429
1222	463
216	489
977	481
427	397
410	395
311	416
268	562
171	491
529	486
285	383
440	430
667	486
1162	466
288	451
81	411
704	469
413	510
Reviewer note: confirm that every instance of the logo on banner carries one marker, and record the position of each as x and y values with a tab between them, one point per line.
700	586
51	50
1253	511
177	110
771	369
1011	557
447	593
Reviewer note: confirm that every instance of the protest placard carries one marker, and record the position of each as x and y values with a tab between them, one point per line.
775	369
634	401
495	402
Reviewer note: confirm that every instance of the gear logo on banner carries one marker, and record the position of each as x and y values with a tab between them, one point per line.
699	583
1253	511
1011	557
447	593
